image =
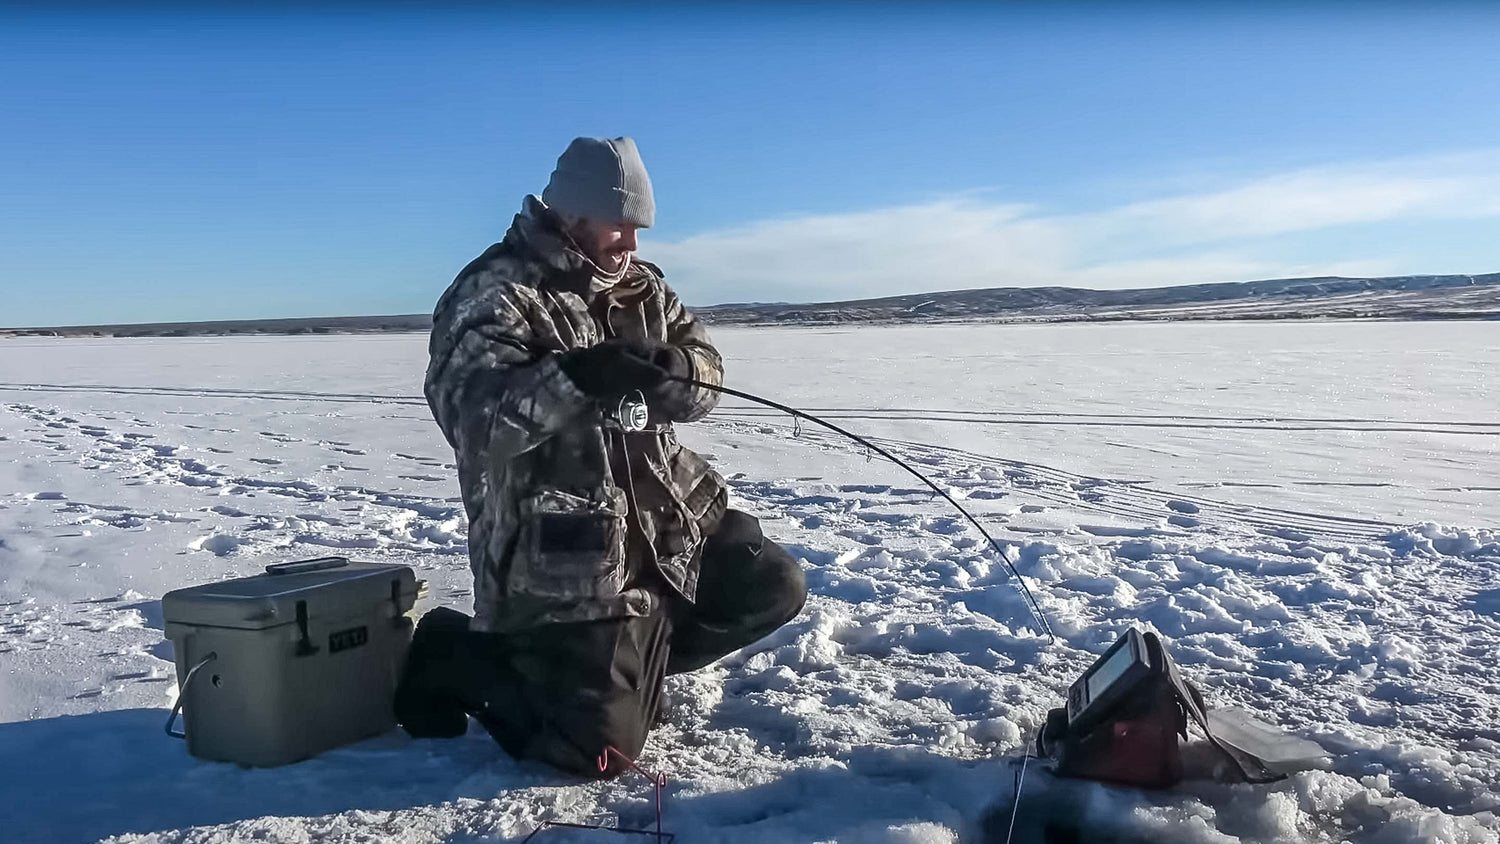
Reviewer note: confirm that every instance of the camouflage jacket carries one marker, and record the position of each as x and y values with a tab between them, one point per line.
570	518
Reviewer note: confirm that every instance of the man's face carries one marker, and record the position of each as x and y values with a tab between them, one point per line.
606	244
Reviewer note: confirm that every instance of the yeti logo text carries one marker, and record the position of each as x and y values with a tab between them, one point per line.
343	640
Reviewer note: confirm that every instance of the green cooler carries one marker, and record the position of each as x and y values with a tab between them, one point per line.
284	665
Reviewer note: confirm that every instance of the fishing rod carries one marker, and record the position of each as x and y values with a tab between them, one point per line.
995	546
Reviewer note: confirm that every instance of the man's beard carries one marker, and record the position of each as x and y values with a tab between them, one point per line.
613	261
610	261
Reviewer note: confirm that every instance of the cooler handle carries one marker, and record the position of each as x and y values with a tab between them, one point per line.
186	681
301	566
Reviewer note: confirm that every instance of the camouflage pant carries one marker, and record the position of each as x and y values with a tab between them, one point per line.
560	693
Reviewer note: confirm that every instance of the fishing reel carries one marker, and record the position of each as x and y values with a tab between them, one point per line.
632	415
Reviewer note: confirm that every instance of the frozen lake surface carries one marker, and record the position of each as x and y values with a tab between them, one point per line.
1308	513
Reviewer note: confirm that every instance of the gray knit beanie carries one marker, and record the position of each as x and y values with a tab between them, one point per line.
602	180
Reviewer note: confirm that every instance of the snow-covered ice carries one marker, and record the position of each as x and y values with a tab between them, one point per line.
1308	513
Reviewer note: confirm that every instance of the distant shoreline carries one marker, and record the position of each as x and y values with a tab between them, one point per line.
1394	299
324	329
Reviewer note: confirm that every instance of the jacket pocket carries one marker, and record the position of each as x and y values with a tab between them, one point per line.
569	547
694	482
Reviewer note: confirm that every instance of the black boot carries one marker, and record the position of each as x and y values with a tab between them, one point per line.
428	704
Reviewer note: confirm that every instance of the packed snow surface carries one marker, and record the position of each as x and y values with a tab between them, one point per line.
1308	514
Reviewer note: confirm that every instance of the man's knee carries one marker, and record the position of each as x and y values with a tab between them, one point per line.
749	566
783	576
737	531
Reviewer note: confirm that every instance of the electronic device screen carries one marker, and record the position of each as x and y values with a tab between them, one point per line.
1109	672
1109	680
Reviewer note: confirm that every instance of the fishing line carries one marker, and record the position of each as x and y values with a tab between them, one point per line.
995	546
1015	807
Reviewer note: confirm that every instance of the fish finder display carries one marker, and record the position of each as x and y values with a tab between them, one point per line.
1109	680
1109	672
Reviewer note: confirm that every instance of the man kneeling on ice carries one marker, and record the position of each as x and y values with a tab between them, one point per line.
603	552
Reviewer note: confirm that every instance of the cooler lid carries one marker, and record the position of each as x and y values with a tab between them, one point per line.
328	585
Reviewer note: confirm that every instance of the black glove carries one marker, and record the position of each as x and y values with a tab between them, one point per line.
613	369
617	367
670	399
669	359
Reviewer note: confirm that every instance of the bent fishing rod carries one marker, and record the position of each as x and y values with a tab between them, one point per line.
995	546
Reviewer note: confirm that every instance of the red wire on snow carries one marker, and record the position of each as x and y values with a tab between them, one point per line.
658	782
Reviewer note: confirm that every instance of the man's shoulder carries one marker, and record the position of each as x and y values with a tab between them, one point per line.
500	279
500	267
502	263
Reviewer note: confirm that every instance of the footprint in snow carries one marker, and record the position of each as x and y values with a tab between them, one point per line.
1182	506
946	526
862	537
1285	533
219	544
1119	530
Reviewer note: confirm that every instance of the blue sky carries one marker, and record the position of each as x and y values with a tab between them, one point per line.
179	165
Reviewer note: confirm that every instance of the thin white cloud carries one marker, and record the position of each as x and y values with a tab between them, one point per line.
1306	200
1221	235
942	245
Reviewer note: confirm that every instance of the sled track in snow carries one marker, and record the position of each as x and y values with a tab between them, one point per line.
968	417
1131	498
1124	499
213	393
1120	498
1138	420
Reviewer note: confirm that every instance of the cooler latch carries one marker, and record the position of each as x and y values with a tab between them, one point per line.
305	647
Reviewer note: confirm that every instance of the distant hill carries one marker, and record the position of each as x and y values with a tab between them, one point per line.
1400	297
1418	297
302	325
